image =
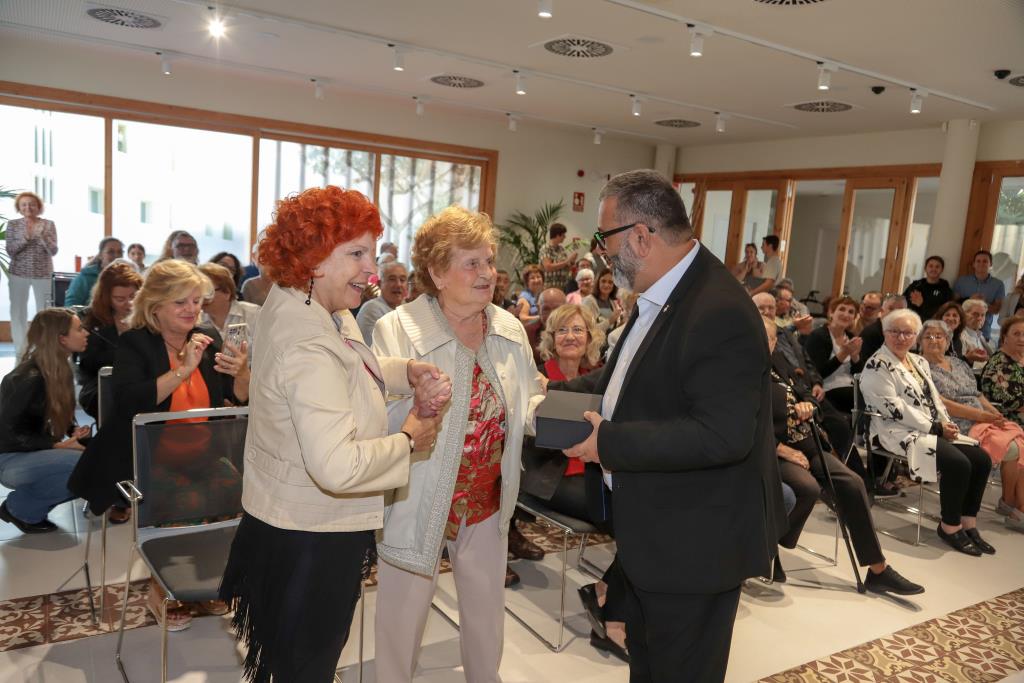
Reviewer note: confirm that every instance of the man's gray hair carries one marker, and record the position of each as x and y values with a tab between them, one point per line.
895	298
902	315
388	266
645	196
968	304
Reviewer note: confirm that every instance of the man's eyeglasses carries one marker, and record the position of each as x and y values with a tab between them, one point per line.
601	235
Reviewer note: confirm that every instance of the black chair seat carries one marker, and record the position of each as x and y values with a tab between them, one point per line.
541	509
191	565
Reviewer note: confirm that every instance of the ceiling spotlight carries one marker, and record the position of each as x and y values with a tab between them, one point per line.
636	105
399	60
419	106
697	36
165	64
916	100
544	9
318	89
512	123
216	26
520	82
597	136
825	71
719	122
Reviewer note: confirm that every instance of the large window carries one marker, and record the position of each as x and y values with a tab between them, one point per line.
58	156
1008	234
169	178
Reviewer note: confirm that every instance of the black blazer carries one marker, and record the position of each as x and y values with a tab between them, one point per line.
100	351
698	503
141	358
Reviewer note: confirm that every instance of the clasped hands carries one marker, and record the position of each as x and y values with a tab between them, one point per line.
432	389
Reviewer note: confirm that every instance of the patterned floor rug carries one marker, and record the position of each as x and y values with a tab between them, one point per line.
59	617
980	643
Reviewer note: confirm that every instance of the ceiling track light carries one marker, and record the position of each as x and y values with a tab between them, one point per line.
597	136
318	89
917	100
544	9
697	36
520	82
825	71
719	122
513	122
419	105
165	63
398	63
636	105
216	25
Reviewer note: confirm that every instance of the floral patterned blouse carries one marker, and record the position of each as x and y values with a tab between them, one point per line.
477	493
957	384
31	257
796	431
1002	382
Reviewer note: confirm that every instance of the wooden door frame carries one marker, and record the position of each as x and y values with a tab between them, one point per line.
980	223
781	221
895	252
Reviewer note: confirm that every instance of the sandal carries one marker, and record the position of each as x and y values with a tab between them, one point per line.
119	515
179	617
213	608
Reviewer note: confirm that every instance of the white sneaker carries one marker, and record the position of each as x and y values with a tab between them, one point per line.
1015	524
1004	509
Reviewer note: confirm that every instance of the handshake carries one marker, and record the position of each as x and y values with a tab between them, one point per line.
432	390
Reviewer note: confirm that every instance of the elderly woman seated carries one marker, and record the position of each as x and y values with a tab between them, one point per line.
571	343
898	385
1002	381
802	467
976	349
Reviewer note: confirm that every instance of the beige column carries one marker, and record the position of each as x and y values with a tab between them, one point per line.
954	192
665	160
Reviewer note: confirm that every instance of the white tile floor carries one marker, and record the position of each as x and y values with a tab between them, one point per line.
816	613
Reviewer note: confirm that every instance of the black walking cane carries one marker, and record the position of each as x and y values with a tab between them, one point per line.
836	507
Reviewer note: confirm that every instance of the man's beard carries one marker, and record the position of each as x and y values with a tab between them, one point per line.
625	266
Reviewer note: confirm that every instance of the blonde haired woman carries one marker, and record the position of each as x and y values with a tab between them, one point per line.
463	492
570	344
39	442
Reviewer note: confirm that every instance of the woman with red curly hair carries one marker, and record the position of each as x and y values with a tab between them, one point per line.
318	455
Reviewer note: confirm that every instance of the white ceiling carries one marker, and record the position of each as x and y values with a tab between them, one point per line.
938	45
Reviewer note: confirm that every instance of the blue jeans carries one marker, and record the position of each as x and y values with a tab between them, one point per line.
38	481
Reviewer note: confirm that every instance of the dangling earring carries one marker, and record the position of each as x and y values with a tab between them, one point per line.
310	296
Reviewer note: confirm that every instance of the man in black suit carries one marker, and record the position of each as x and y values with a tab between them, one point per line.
685	436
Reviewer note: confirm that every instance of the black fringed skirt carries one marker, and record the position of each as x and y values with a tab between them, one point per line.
295	593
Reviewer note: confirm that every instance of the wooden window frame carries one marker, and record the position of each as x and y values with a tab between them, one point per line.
981	209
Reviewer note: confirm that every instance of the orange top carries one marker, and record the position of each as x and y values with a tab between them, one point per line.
190	394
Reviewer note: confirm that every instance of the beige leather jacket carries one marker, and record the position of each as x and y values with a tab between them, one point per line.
317	453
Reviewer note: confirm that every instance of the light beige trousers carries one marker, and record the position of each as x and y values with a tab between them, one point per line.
478	555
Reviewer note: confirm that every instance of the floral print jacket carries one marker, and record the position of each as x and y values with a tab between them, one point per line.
1002	382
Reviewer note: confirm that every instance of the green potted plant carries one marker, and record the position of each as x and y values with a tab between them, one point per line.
526	235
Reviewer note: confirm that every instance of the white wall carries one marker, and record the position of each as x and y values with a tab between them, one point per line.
1001	140
536	165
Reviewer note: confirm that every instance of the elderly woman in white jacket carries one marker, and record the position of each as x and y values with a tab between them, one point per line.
318	456
898	385
462	492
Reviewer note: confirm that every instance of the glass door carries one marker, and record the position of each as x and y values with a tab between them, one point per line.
714	233
870	236
1008	233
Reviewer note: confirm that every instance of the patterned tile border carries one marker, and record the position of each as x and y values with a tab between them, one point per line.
980	643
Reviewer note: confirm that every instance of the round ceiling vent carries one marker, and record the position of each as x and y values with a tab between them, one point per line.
582	48
1017	81
789	2
123	17
453	81
677	123
823	107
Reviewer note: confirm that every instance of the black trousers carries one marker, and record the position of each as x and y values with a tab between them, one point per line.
679	637
964	474
853	500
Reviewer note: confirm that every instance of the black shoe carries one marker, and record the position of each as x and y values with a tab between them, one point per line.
778	575
608	645
959	541
980	542
890	581
42	527
889	491
511	578
588	596
523	548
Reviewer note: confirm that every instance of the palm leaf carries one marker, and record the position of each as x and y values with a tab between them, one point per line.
526	235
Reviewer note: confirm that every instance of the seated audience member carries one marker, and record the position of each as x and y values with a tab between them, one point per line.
787	314
802	467
533	278
394	286
898	385
223	308
1002	380
748	271
105	319
976	348
80	290
415	289
982	285
502	285
798	308
555	260
771	271
137	255
870	309
604	302
549	300
628	302
39	442
953	315
584	286
833	350
571	344
1002	439
595	259
182	246
234	266
924	296
389	249
163	363
790	359
1014	301
872	335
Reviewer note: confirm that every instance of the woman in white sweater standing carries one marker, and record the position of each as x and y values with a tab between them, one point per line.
463	492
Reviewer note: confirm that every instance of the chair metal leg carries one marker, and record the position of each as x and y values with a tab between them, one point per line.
84	569
362	626
163	639
560	645
124	614
103	567
585	565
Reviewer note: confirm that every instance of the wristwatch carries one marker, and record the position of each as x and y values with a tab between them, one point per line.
412	442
